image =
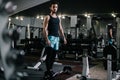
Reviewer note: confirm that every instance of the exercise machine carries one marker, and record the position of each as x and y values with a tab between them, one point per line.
42	58
85	71
110	54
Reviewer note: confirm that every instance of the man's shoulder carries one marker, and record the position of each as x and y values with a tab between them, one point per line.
47	17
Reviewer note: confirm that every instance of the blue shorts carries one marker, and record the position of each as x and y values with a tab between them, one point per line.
54	42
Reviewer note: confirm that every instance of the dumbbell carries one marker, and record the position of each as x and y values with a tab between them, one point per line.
67	70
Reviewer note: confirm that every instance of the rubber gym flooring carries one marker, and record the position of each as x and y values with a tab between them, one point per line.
97	71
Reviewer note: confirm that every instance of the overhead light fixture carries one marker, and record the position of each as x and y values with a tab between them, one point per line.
87	15
38	17
9	19
17	17
59	16
63	16
83	25
113	14
21	18
41	17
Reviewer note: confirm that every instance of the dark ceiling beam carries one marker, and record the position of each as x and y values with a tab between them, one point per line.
26	4
75	7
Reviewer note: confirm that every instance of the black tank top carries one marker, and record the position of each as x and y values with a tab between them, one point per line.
53	26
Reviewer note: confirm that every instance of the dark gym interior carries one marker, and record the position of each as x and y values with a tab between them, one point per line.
89	54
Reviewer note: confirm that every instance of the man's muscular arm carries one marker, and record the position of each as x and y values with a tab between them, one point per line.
45	31
62	32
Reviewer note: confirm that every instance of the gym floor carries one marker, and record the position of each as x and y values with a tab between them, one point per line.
97	71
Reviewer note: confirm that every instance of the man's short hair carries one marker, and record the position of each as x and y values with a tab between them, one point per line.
110	26
53	2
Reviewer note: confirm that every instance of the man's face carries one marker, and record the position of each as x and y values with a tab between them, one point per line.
54	8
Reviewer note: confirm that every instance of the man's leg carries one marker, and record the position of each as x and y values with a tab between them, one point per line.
49	52
48	63
53	58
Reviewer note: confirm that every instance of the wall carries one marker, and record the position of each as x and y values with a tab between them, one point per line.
37	23
100	26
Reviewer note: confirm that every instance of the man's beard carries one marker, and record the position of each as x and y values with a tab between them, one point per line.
54	11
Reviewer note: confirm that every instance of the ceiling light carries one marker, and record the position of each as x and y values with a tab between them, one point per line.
63	17
17	18
38	17
59	16
41	18
88	16
113	14
83	25
85	14
21	18
9	19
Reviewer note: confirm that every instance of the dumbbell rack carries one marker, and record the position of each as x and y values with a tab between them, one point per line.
42	58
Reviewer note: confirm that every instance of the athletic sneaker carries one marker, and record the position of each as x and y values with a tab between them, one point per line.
48	75
52	73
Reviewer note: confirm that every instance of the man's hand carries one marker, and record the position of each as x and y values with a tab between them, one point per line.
48	42
65	41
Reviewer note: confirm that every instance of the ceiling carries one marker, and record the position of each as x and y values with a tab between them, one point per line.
75	7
